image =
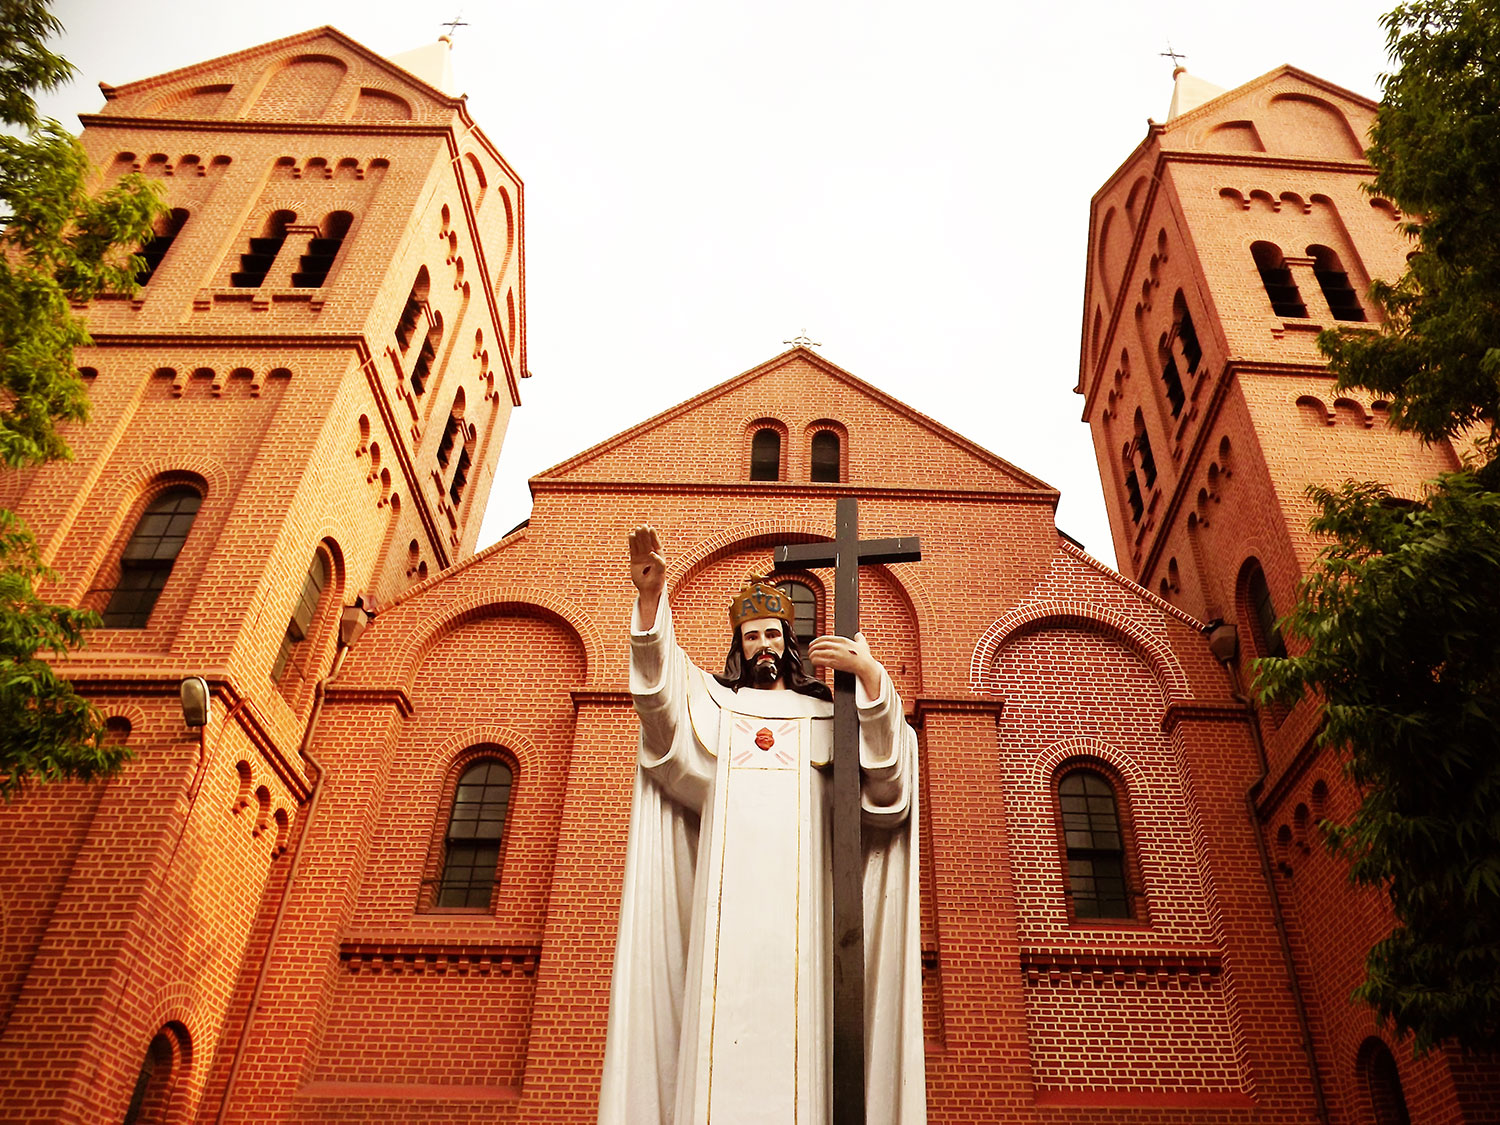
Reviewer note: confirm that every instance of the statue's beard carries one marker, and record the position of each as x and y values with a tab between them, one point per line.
766	669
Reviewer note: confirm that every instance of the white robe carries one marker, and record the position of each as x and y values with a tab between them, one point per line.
720	1004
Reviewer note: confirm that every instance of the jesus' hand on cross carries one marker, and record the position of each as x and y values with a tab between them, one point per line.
843	654
648	570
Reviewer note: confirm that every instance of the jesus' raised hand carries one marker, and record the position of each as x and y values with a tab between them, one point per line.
648	570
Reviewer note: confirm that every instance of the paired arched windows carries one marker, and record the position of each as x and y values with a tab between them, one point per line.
474	836
825	451
149	555
1097	867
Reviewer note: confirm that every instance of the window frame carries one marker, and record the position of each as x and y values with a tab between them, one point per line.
430	888
1136	898
101	595
779	432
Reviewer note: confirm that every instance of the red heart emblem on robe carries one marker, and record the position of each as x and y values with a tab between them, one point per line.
764	738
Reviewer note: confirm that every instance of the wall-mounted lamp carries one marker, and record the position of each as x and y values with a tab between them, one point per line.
352	623
1223	640
195	701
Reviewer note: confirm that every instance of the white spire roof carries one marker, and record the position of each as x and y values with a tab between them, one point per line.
1188	92
433	64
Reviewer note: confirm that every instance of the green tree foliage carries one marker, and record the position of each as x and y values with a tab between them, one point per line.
59	242
1399	619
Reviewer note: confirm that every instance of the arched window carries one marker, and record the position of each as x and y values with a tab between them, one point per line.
825	456
1094	846
167	1054
1268	639
322	250
1286	300
263	250
299	628
1343	302
155	248
804	610
471	853
147	561
412	311
1382	1082
765	455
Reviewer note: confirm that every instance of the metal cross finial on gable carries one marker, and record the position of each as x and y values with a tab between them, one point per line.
1171	54
803	340
454	24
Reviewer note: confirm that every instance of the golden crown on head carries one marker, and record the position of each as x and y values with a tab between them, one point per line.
759	599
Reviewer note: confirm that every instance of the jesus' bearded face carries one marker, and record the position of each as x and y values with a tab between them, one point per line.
763	645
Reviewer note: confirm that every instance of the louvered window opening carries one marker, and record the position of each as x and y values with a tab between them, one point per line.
1175	394
321	252
155	248
460	477
1148	459
423	367
1133	494
1192	350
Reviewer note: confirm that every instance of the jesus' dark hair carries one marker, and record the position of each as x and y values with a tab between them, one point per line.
738	674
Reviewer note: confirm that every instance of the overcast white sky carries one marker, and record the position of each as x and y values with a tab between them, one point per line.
909	183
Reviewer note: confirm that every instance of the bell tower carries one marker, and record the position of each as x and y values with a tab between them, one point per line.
1236	231
296	419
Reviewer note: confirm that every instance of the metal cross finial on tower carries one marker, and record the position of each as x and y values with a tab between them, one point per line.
1173	55
803	340
457	22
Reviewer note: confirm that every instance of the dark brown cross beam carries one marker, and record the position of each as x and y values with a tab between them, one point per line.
846	554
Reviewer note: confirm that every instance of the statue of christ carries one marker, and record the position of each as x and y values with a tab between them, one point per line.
719	1004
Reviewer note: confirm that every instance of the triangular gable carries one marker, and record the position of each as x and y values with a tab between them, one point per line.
240	67
1240	119
706	438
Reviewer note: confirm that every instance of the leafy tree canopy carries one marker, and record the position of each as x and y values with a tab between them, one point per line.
1436	152
1397	629
60	241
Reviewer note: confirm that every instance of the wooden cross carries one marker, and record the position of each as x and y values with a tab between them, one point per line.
846	554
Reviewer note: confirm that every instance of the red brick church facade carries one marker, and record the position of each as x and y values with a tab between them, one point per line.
381	885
